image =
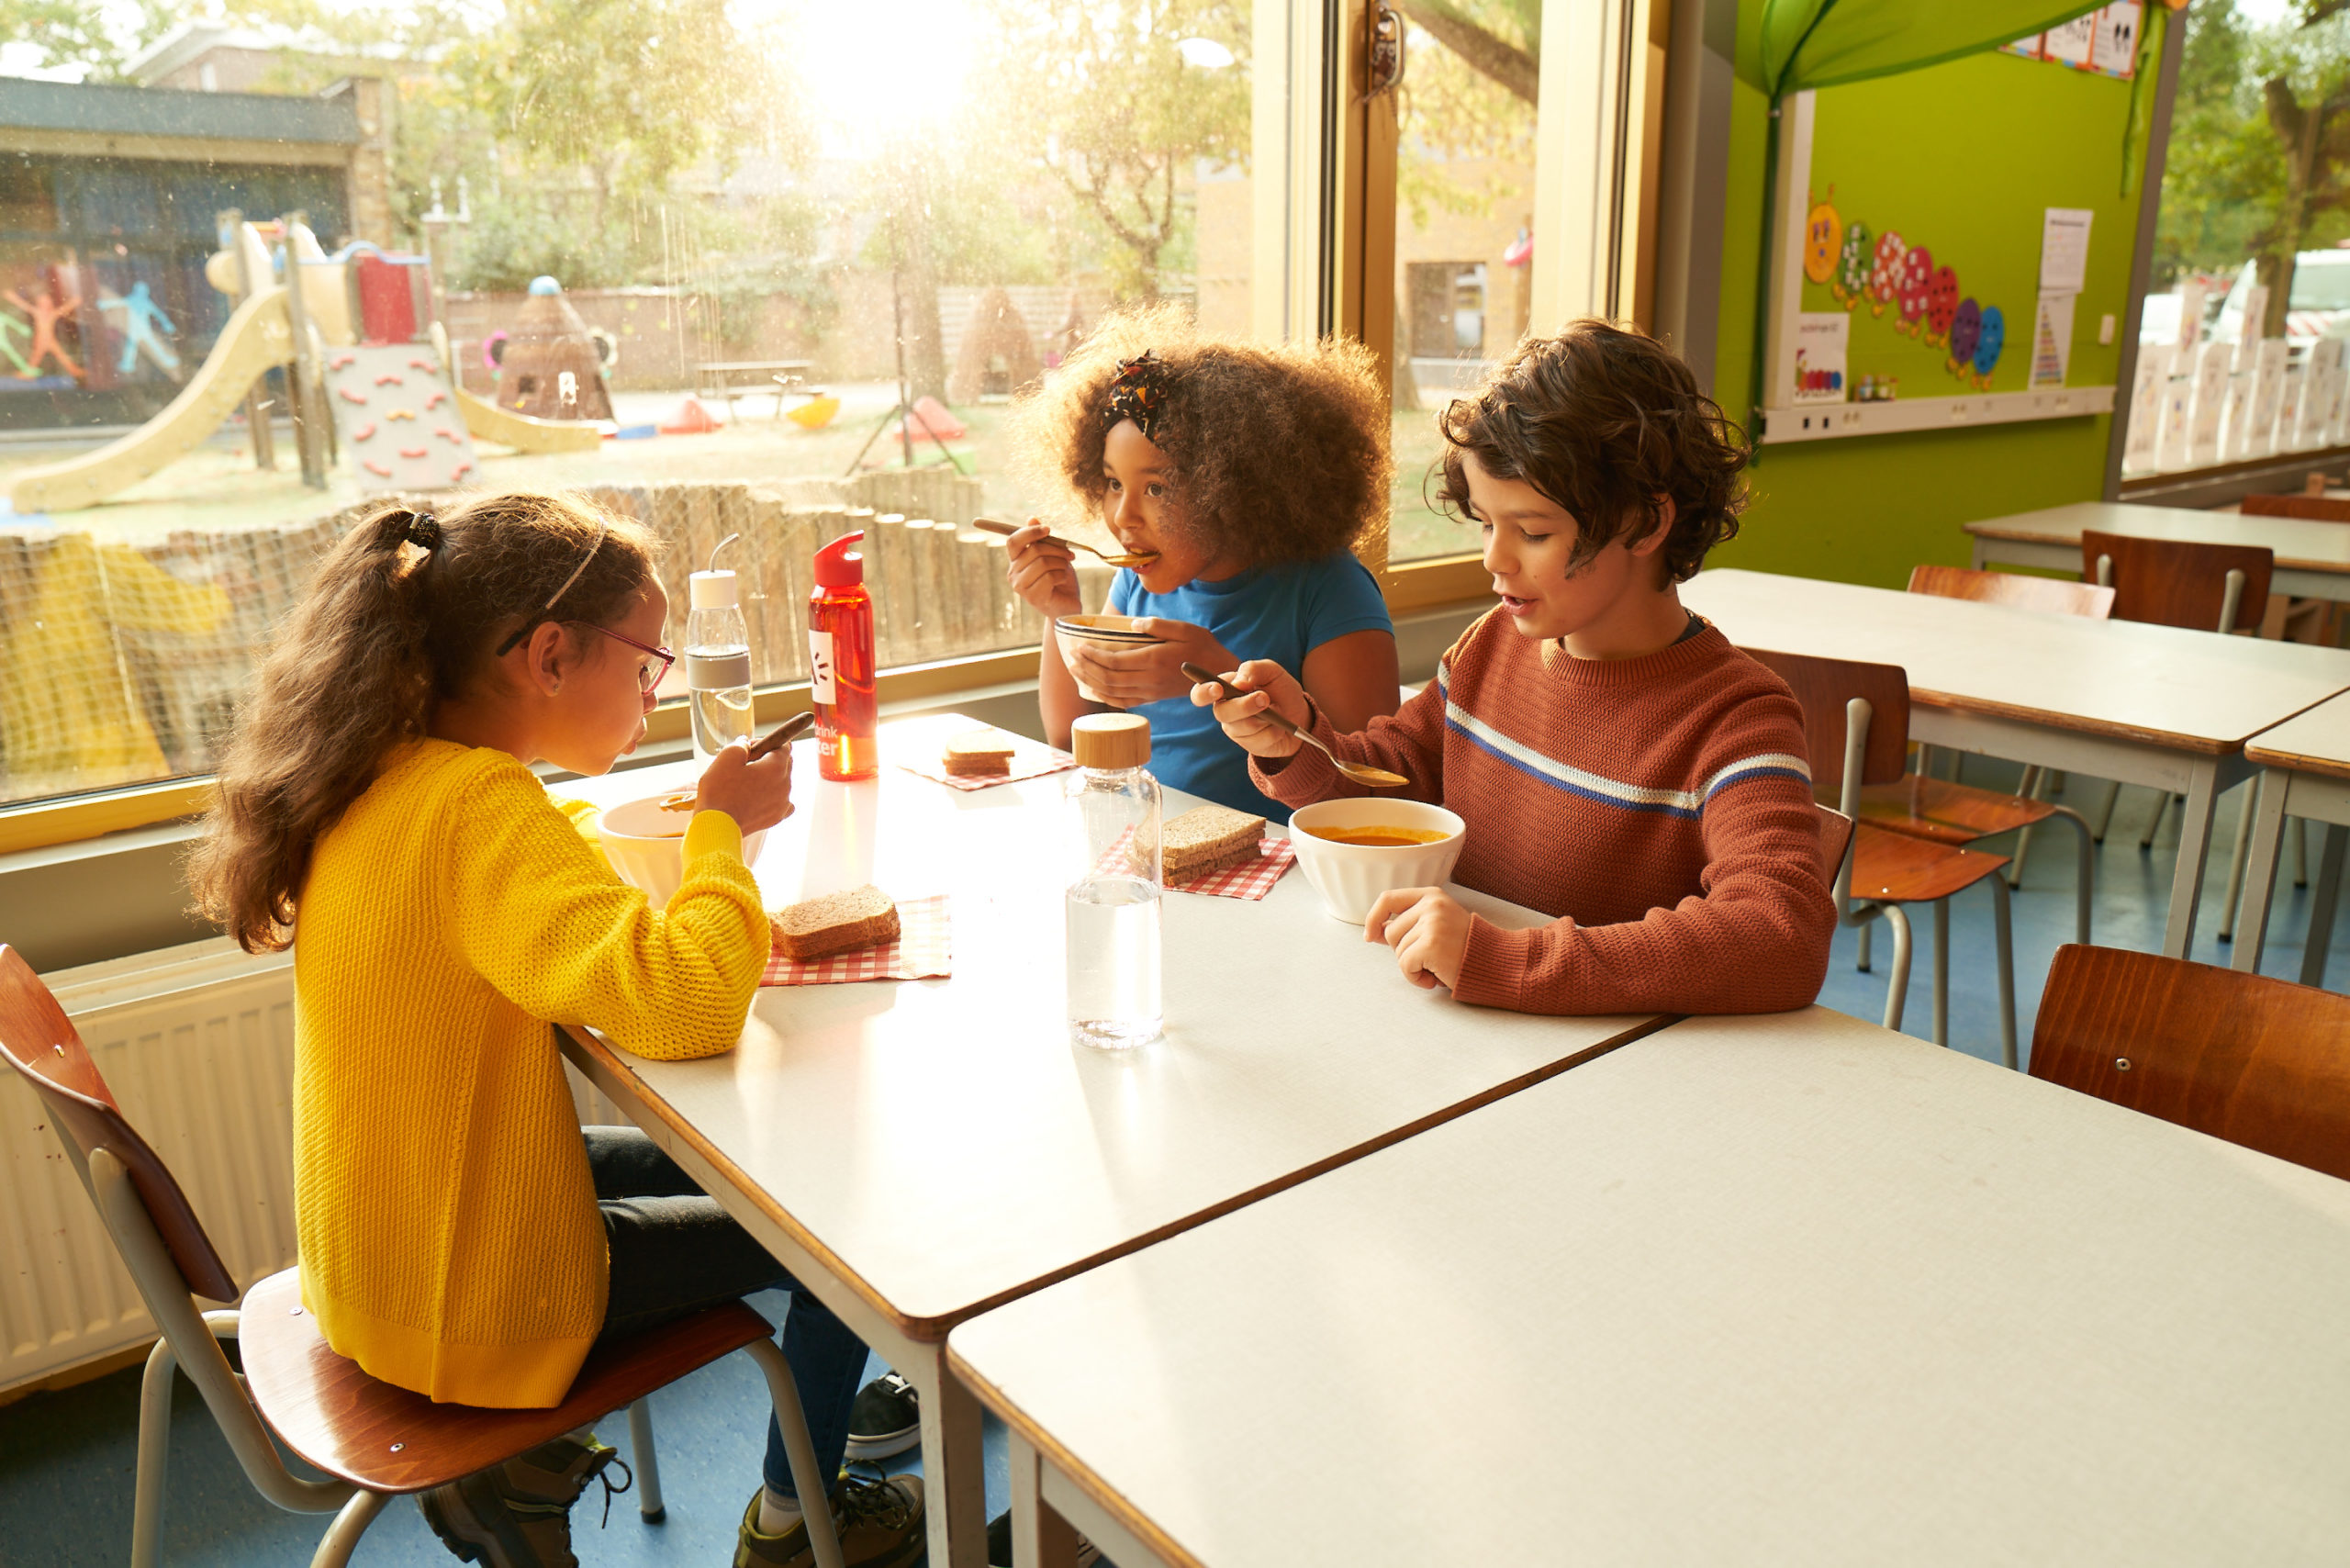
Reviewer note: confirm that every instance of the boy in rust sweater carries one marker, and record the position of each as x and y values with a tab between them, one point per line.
1619	764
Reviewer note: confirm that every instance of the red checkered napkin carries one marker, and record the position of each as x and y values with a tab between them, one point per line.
916	748
923	950
1250	879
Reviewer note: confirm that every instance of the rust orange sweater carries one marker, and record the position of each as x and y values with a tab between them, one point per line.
1660	807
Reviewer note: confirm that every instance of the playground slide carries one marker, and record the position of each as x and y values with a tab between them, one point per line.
487	421
256	337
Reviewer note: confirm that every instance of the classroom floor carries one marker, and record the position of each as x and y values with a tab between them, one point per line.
67	1457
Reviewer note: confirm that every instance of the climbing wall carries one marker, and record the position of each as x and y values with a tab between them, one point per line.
397	419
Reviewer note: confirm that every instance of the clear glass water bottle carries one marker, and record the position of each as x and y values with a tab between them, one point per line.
1114	809
718	660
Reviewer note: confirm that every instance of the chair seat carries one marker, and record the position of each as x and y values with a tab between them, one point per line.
388	1439
1934	809
1891	867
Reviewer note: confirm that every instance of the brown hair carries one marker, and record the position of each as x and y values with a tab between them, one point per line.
402	614
1602	422
1279	449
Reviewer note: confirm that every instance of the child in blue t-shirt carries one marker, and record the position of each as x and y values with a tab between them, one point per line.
1249	470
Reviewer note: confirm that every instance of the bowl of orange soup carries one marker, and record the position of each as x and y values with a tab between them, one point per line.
1352	851
647	845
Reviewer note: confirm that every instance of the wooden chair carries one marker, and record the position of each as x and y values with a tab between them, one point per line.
2316	509
2178	582
1923	806
1856	734
374	1441
2254	1061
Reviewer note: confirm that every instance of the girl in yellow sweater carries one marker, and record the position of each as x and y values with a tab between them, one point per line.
459	1236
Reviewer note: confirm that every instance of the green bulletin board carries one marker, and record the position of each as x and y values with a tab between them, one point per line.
1964	159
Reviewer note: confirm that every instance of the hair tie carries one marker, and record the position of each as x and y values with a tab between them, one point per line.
1137	393
424	531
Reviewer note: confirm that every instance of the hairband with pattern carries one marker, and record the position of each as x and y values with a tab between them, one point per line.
1138	393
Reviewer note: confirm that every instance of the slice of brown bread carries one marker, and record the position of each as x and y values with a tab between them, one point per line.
979	754
1207	839
837	922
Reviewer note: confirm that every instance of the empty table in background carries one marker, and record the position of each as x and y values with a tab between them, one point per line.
2150	705
2306	763
2312	557
1781	1290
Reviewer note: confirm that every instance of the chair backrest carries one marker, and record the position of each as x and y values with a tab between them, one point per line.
2178	582
1825	688
2316	509
2052	596
41	1043
2257	1061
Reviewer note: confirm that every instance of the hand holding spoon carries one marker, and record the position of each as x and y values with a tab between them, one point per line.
1361	772
783	735
989	525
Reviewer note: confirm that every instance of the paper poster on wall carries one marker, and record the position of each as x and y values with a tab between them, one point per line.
2236	429
2248	329
2071	43
1823	340
2145	407
2115	53
2211	362
2052	339
2267	394
2171	446
2028	48
2191	314
2065	249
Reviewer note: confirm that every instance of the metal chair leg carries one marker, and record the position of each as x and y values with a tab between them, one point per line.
154	1455
2004	929
2234	895
2084	874
2105	813
2033	788
814	1487
343	1536
2323	898
1942	971
1862	962
2301	852
647	1463
1897	990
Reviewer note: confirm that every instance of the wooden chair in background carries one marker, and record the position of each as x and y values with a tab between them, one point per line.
1947	812
2304	620
2204	588
2257	1061
2316	509
1856	733
373	1441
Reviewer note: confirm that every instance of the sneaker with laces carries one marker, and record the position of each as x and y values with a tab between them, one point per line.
880	1524
1000	1546
518	1515
886	1420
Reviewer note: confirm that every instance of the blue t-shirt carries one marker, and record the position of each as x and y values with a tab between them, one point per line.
1281	613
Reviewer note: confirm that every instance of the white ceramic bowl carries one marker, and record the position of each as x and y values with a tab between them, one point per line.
1350	876
647	858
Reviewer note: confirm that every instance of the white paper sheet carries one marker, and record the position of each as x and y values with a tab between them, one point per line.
2065	249
2115	53
2052	339
1821	337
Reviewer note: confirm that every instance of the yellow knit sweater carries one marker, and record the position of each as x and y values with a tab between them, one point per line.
450	1239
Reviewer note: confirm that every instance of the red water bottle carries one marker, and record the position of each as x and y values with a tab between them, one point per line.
840	663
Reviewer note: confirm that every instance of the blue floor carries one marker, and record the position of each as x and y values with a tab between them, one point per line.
67	1457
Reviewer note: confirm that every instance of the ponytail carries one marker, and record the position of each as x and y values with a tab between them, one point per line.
402	614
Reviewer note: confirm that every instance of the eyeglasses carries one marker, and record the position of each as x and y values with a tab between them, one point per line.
649	676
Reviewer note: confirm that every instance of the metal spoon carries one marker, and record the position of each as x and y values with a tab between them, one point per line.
989	525
1361	772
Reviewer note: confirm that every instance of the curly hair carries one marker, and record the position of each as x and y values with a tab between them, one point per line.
1280	451
1605	422
403	613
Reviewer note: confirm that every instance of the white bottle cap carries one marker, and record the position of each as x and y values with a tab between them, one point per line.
714	591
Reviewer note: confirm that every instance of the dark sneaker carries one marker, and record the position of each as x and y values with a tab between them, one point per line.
518	1515
886	1420
880	1524
1000	1546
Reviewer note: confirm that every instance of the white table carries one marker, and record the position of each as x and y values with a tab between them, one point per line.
1782	1289
2306	773
2312	557
2150	705
916	1152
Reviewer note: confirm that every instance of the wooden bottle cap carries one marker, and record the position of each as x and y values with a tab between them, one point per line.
1110	740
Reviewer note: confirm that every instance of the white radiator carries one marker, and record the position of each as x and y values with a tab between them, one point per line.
198	1044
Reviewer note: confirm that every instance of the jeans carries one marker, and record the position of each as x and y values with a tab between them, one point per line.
674	1251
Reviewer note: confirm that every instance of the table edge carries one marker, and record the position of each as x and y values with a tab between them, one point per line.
1996	529
2296	762
1080	1476
2049	719
932	1329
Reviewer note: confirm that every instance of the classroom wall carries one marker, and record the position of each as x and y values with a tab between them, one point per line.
1962	158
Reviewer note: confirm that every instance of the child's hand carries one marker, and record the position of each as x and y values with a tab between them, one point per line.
1263	683
1125	678
1428	930
755	794
1041	574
